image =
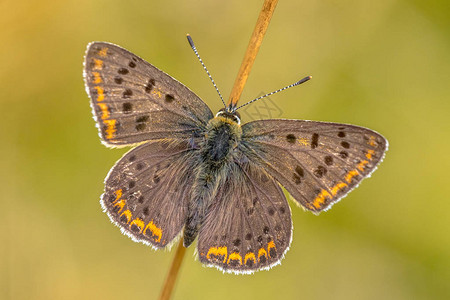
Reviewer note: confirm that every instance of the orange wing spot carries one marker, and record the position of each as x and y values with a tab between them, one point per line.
320	199
98	64
120	204
270	246
303	141
139	223
217	251
157	93
127	213
97	77
234	256
103	52
118	195
104	109
371	141
369	154
156	231
100	93
262	252
350	175
111	128
248	256
361	165
335	189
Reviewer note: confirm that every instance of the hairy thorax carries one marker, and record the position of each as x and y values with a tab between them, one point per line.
221	139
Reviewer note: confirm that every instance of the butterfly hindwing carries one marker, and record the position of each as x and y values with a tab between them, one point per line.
317	162
146	192
134	101
248	226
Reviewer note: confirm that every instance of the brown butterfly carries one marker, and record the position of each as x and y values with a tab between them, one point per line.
199	175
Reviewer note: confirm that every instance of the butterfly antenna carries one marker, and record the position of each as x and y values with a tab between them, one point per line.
191	42
274	92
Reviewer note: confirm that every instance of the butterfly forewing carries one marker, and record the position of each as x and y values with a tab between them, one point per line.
134	101
317	162
146	192
249	225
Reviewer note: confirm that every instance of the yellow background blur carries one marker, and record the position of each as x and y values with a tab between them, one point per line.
381	64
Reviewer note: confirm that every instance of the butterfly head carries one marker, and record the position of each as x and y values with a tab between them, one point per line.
231	115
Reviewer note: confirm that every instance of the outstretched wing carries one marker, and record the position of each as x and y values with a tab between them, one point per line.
248	227
317	162
147	191
133	101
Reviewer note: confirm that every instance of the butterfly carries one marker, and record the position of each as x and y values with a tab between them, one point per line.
203	176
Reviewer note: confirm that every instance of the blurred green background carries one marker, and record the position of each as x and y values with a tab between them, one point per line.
381	64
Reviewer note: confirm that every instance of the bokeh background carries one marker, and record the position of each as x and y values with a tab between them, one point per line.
381	64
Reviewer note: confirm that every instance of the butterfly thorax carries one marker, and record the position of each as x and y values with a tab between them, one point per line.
218	149
222	136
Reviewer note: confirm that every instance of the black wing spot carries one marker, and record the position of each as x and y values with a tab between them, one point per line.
345	144
271	211
248	236
266	230
343	154
328	160
132	64
262	259
141	199
291	138
299	171
146	211
123	71
297	179
314	141
132	158
127	94
142	119
237	242
341	134
169	98
273	253
127	107
118	80
139	166
259	239
150	85
131	184
249	263
320	171
282	210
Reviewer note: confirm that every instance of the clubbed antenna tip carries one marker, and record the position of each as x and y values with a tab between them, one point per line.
191	42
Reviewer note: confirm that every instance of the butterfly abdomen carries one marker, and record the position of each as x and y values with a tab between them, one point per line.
221	139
